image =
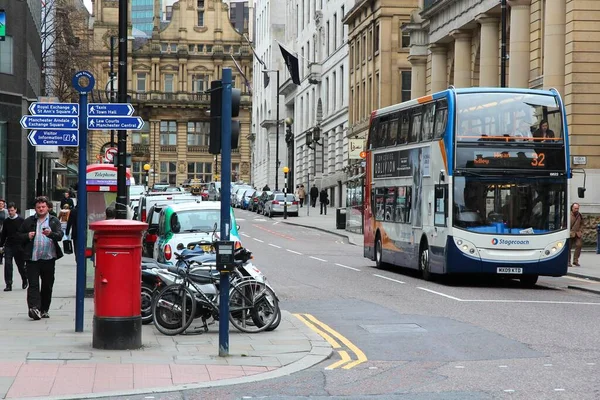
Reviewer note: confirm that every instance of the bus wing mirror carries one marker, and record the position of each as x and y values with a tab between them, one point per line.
581	192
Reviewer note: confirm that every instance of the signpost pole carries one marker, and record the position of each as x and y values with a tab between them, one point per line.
80	241
121	205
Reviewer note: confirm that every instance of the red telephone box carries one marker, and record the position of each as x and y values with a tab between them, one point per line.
117	323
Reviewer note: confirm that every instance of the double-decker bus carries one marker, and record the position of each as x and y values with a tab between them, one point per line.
470	181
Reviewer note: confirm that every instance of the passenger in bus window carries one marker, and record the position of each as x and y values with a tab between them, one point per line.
524	131
544	132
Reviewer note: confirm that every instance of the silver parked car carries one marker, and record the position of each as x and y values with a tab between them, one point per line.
275	202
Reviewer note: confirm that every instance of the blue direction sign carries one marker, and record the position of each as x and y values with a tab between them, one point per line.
116	123
54	138
54	123
110	109
55	109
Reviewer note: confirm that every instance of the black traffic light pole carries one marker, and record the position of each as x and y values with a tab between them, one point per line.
121	206
277	139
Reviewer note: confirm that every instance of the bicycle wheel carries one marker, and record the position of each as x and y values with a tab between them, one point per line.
253	306
147	295
168	307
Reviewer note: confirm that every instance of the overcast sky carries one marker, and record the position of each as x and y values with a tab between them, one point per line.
88	4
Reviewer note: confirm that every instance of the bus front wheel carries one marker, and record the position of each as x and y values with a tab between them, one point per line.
424	262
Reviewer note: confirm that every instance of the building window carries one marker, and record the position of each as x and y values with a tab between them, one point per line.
169	83
138	172
199	83
200	17
235	172
200	170
201	3
405	39
142	136
335	44
6	55
406	85
333	89
326	96
351	58
370	44
342	84
357	55
168	172
376	40
327	40
169	13
364	48
168	133
141	82
342	17
198	133
173	47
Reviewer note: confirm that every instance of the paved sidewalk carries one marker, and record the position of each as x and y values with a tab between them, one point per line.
589	272
41	358
324	223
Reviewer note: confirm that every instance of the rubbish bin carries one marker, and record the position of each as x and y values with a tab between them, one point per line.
117	323
340	218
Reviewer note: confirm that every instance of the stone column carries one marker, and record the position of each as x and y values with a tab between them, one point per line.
418	76
554	45
489	58
462	58
439	68
518	67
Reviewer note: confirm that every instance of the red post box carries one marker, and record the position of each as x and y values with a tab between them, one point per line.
117	321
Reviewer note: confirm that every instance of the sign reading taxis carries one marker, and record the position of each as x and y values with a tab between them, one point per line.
355	148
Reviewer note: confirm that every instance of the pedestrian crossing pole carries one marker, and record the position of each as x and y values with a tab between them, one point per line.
226	115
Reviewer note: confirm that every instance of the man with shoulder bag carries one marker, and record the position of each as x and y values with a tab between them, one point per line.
41	234
576	234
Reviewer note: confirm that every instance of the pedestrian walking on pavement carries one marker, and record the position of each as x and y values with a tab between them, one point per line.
576	234
41	234
314	194
11	243
301	195
67	200
3	216
72	227
324	201
266	188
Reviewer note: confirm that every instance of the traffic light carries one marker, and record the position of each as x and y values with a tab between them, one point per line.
216	107
236	95
216	91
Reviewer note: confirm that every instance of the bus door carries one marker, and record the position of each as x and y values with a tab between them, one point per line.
440	221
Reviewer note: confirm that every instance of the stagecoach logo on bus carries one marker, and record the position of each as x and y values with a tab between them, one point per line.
508	242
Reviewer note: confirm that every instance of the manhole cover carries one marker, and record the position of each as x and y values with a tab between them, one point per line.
393	328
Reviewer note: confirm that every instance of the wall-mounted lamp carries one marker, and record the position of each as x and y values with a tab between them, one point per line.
313	136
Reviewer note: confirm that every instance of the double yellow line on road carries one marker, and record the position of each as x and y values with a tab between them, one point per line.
330	335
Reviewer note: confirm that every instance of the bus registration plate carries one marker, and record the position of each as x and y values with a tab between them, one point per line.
509	270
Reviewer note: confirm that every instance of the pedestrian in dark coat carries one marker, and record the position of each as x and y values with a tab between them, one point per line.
314	194
11	242
324	201
72	227
41	234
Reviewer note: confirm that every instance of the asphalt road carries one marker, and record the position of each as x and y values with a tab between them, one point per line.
463	339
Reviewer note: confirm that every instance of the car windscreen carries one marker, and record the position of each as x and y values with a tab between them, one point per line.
190	221
288	197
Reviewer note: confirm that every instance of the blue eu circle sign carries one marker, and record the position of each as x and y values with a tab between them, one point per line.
83	81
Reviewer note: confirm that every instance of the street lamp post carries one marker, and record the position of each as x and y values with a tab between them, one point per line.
285	187
276	131
147	169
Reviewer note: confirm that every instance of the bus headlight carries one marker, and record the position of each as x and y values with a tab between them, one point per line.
467	247
553	249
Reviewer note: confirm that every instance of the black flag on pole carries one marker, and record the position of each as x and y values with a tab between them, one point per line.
291	61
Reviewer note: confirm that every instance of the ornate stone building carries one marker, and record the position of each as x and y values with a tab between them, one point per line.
168	78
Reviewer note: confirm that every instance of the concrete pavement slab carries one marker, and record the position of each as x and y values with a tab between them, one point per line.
37	358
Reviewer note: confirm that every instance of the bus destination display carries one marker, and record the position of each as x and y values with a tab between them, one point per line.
548	159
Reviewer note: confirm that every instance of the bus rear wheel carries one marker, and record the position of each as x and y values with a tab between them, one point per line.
528	281
424	265
379	253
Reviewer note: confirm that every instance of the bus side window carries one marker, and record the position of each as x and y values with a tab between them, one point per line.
393	131
428	118
415	131
383	134
441	117
373	134
404	127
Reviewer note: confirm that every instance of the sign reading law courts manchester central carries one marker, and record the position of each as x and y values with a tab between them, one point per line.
402	163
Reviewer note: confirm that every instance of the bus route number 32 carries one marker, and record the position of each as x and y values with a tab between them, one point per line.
538	159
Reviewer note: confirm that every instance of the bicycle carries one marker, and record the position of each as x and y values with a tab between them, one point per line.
253	306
